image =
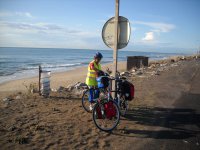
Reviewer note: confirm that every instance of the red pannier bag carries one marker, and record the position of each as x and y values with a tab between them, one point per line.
98	111
110	110
128	90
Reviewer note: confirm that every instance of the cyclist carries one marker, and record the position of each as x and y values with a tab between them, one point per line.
94	68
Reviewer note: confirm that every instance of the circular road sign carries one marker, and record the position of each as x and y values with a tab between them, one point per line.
124	32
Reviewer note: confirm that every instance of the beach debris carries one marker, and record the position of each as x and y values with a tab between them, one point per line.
76	89
139	72
126	73
133	70
61	89
80	85
163	65
152	66
31	88
183	58
174	65
18	97
7	101
53	90
157	72
70	87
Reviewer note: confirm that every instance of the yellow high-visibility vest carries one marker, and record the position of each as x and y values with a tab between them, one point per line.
91	75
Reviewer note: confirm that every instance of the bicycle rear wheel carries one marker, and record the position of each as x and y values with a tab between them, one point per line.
102	118
123	107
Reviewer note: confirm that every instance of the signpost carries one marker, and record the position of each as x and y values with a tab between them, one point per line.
108	33
116	35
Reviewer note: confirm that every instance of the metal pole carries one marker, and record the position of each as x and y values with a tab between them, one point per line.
40	70
115	50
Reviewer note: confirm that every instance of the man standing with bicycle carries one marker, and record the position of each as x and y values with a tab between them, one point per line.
93	68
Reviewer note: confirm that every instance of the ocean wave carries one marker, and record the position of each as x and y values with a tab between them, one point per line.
52	66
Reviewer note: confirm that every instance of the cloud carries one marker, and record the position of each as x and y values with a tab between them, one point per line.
32	27
26	14
157	26
41	34
16	14
155	31
149	36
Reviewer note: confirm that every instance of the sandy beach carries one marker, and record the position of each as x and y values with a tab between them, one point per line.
165	113
57	79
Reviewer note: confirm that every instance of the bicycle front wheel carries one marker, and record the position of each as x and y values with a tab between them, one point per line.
85	101
106	116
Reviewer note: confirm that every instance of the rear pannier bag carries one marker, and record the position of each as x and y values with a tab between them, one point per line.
128	90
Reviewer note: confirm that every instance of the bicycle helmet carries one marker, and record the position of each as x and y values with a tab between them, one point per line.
98	55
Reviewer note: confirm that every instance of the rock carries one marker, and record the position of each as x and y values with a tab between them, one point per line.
172	60
18	97
152	66
162	65
183	58
139	73
70	88
157	72
174	65
7	99
134	70
80	85
126	73
34	90
61	89
53	90
78	92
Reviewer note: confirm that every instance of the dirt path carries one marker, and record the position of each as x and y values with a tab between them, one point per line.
164	115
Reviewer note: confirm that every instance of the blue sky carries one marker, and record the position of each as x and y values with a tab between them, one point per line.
156	25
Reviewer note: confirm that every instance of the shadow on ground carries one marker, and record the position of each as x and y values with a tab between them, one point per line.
176	121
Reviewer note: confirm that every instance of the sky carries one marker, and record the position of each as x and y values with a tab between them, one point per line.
156	25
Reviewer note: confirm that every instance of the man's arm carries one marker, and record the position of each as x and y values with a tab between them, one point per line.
93	67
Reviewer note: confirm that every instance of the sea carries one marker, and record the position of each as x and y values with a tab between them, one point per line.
18	63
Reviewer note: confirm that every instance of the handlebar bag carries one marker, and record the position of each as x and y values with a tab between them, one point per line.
103	82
